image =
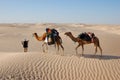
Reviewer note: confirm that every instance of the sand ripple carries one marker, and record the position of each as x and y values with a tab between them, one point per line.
39	66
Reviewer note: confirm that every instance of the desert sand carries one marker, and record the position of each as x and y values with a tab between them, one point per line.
36	65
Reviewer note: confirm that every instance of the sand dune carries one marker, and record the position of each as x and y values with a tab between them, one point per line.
36	65
40	66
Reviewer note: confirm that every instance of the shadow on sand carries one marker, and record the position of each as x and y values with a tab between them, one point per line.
104	57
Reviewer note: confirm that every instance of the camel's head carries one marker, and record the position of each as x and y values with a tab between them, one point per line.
34	34
68	33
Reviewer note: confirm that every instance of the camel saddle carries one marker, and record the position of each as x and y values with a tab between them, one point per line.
86	36
52	38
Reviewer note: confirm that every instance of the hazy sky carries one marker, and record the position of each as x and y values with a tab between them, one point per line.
60	11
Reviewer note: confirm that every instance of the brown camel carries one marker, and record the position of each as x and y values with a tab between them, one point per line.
82	42
58	41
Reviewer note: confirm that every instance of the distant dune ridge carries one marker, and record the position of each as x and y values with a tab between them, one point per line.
36	65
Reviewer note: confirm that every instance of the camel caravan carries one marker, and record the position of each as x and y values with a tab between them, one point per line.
51	37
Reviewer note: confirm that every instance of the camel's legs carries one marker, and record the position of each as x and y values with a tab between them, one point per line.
58	47
55	46
95	49
97	45
44	46
77	48
62	47
82	49
100	50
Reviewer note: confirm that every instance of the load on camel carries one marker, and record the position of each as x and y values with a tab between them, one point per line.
85	38
50	38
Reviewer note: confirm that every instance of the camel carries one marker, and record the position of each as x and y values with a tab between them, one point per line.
82	42
58	41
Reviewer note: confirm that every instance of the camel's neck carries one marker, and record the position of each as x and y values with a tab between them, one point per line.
38	38
73	38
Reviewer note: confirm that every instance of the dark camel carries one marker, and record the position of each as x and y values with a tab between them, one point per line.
82	42
58	41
